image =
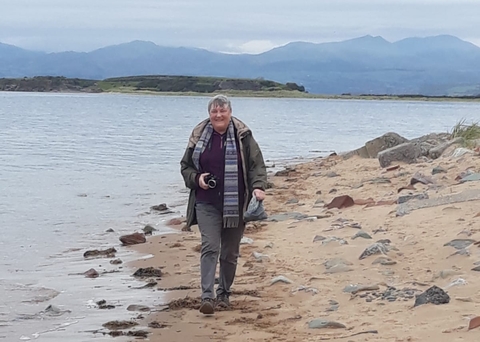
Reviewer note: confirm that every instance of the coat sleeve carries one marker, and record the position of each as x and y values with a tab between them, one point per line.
257	171
188	170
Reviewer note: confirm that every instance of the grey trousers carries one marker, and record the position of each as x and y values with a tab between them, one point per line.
217	240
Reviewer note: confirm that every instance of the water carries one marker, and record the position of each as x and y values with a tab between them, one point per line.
74	165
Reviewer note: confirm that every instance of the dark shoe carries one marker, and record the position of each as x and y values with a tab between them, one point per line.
223	301
206	307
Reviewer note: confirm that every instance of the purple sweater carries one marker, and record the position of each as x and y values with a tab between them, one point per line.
212	160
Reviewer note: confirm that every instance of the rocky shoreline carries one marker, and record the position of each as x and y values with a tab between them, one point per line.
372	243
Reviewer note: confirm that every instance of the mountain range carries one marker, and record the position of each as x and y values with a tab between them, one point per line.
437	65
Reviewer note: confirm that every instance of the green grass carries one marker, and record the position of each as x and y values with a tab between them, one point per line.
468	132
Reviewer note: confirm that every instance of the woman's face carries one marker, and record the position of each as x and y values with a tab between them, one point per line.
220	118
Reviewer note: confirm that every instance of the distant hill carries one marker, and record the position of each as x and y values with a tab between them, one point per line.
154	83
439	65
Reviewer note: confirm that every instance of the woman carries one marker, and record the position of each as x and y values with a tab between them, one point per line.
224	167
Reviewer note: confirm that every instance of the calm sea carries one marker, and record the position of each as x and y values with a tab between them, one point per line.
74	165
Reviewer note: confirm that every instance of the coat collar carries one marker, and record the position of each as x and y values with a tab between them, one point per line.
241	128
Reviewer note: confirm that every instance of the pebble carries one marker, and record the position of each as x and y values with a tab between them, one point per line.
376	248
323	324
361	234
336	239
384	261
259	257
281	279
269	245
464	299
459	243
438	169
246	241
359	288
447	273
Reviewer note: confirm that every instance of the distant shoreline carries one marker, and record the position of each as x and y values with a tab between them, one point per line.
299	95
273	95
168	85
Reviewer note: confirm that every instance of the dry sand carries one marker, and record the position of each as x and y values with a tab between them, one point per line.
264	312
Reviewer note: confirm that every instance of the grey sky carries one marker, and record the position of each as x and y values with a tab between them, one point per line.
229	26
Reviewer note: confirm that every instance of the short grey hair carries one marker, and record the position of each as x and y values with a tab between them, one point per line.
220	101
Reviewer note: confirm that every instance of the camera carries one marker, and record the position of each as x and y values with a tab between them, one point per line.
211	181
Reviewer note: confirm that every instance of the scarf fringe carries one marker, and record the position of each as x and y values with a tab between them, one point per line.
231	222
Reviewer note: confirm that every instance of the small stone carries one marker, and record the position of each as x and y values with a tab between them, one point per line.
384	261
148	272
335	262
159	207
269	245
116	261
447	273
334	239
376	248
464	299
359	288
141	308
361	234
91	273
459	243
246	241
438	169
292	201
259	257
323	324
332	308
406	198
338	269
109	253
280	279
477	269
331	174
133	239
148	229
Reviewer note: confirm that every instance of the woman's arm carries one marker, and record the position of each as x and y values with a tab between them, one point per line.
257	171
187	168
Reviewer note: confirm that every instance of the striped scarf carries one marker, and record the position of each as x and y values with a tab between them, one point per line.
231	217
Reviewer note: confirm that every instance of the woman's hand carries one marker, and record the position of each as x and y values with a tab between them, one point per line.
201	181
259	194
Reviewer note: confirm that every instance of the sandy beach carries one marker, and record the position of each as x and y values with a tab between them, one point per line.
306	264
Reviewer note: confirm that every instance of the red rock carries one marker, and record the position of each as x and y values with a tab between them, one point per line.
91	273
340	202
474	323
392	168
133	239
175	222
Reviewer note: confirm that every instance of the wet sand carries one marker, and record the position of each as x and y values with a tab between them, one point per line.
308	238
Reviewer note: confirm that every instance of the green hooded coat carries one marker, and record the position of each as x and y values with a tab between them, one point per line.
254	170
